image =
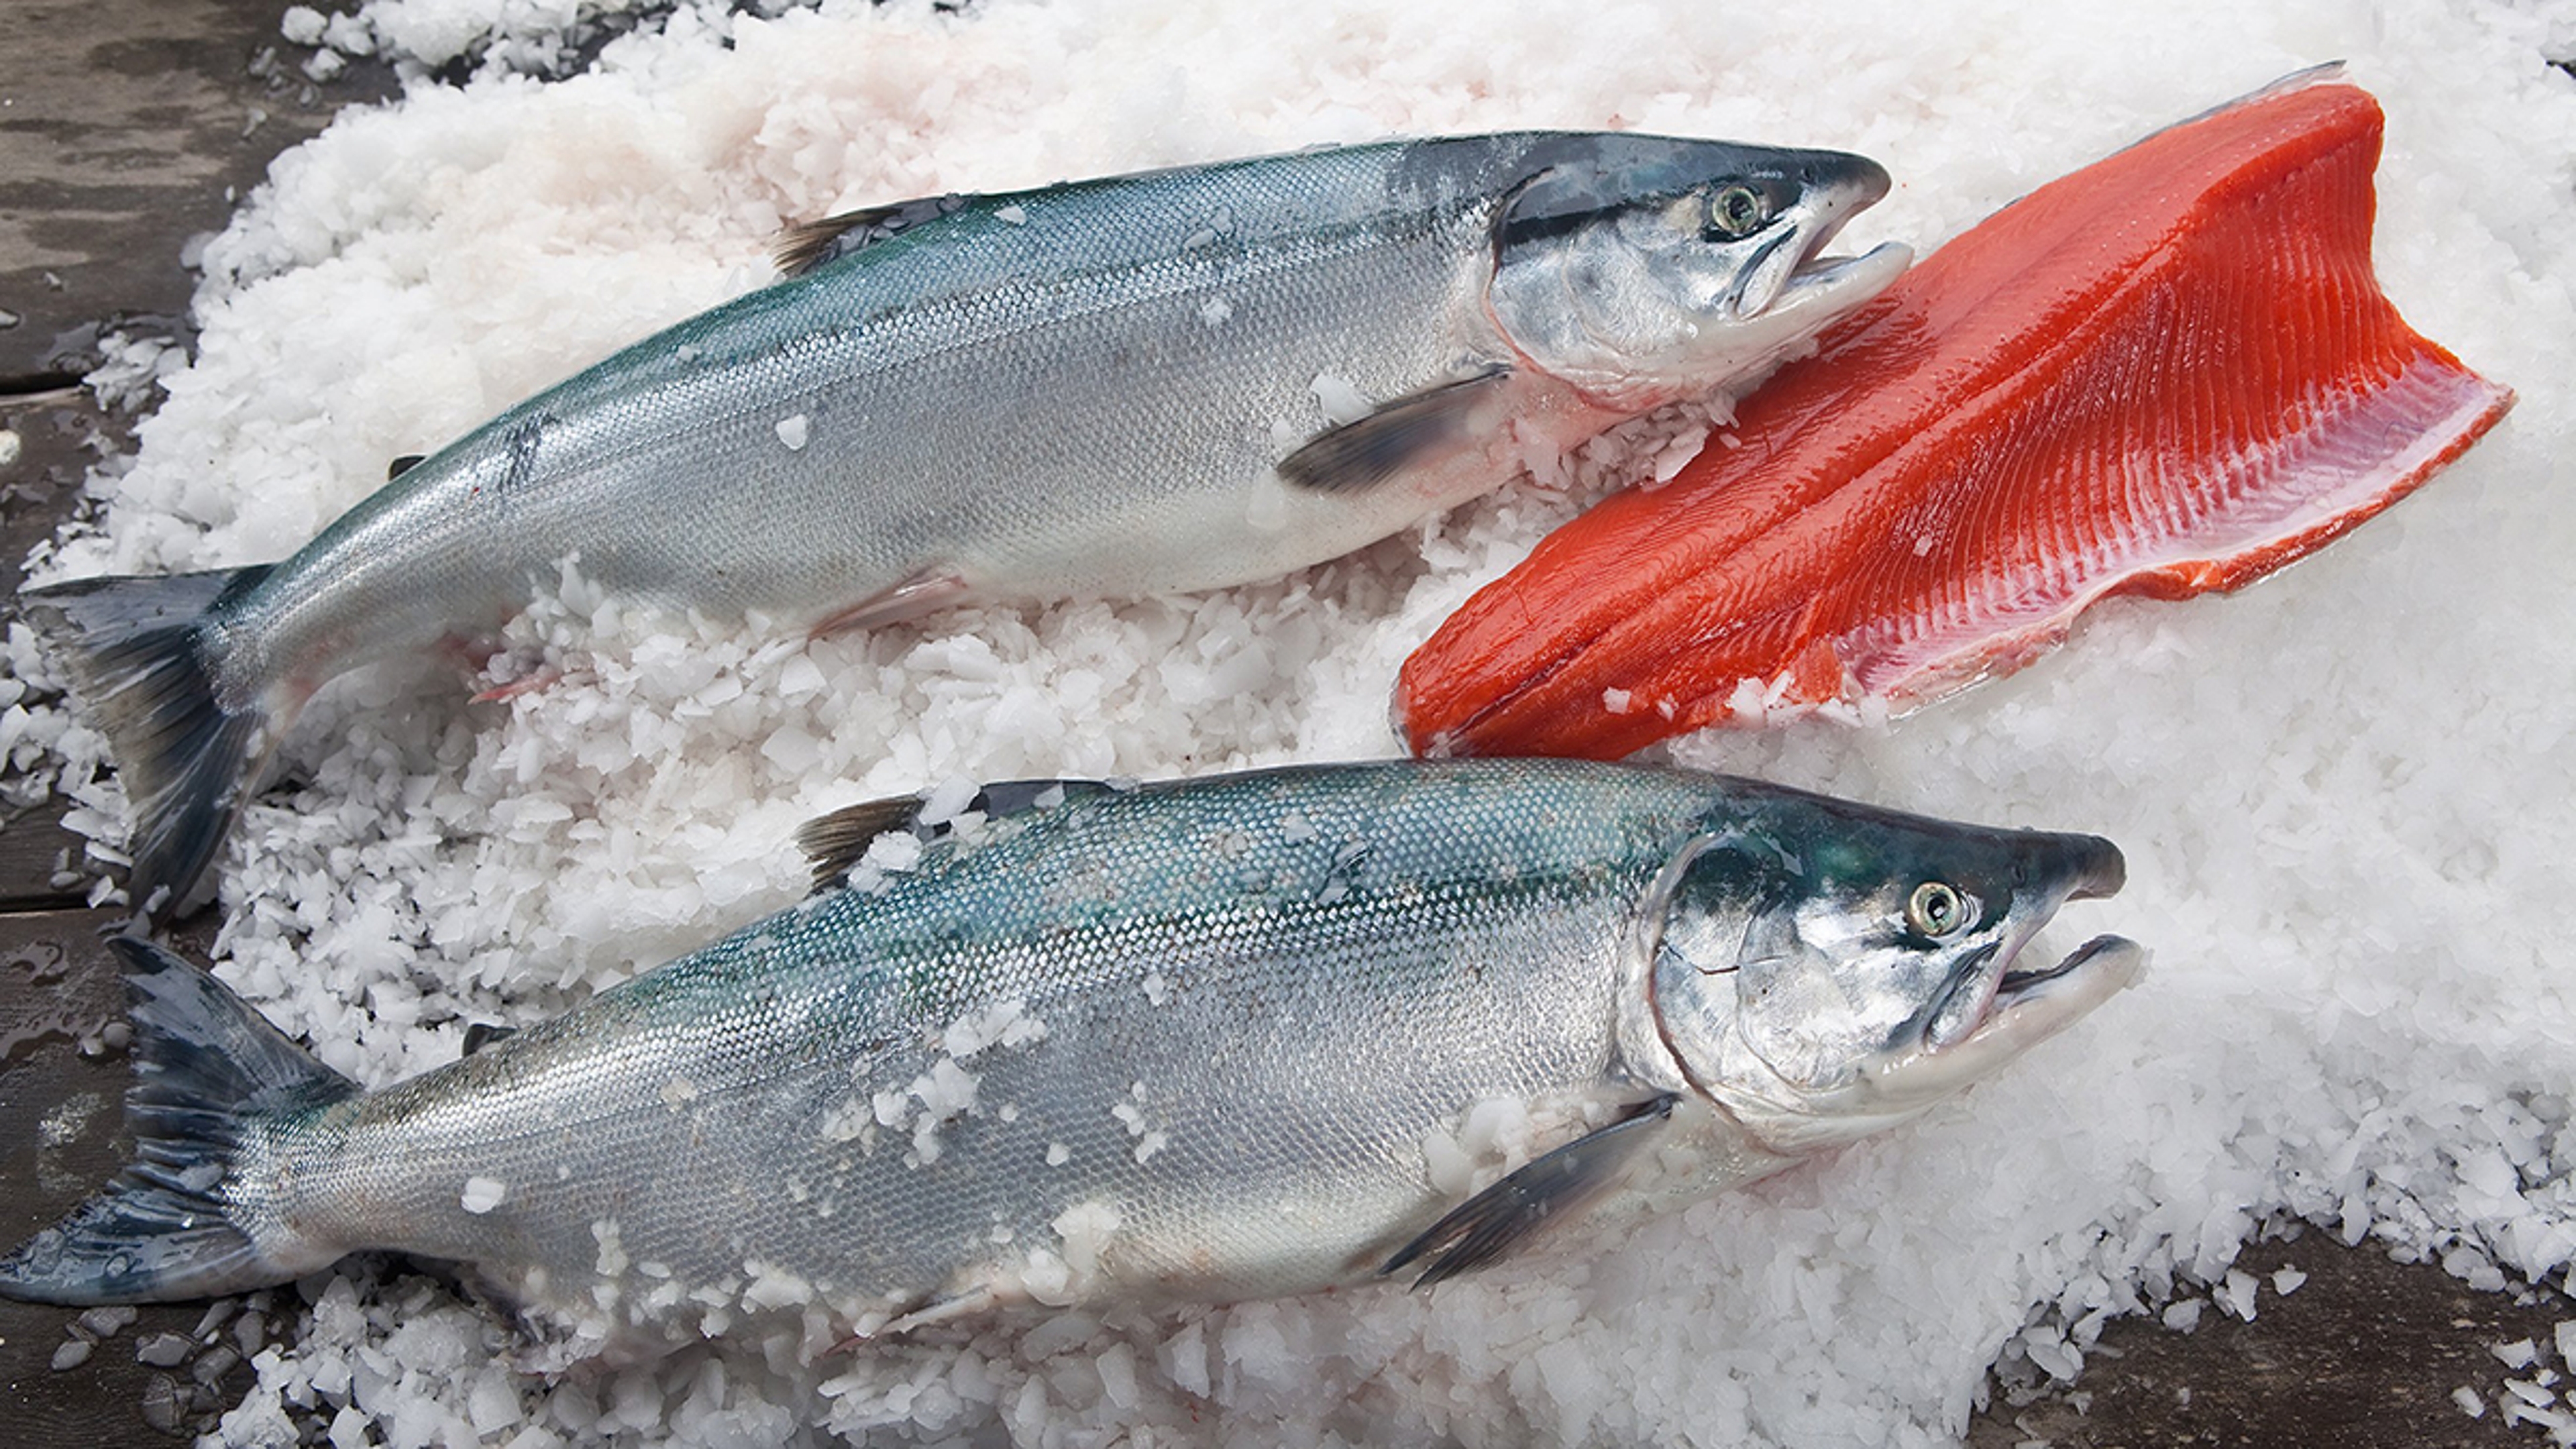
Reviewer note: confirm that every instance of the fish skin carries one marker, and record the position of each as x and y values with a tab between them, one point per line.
2168	373
1247	1009
1087	390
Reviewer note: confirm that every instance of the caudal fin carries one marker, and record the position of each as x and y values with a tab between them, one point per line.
178	1223
142	661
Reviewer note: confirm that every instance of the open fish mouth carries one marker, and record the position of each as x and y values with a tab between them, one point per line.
1990	1009
2016	983
1994	1011
2015	1010
1792	274
2102	878
1873	269
1993	996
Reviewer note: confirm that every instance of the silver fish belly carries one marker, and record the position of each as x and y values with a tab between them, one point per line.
1202	1041
1170	381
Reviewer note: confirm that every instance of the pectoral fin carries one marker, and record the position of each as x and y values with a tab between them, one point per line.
1361	455
1498	1220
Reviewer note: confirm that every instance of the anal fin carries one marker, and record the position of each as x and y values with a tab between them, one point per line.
1495	1222
945	1309
541	678
927	1313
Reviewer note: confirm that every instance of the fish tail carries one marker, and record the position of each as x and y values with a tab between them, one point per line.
179	1222
145	663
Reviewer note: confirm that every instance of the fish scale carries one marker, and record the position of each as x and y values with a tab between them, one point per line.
1207	1040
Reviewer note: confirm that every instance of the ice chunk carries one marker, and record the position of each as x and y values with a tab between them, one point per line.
1342	402
2236	1294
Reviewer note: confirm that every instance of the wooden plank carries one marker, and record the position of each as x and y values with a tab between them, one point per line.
128	126
57	437
2363	1354
34	848
56	446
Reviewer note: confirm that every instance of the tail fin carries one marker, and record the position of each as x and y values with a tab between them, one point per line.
174	1224
141	660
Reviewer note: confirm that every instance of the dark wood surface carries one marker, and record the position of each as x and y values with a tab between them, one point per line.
126	127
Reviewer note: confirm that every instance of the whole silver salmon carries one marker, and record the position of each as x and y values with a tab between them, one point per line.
1241	1036
1176	380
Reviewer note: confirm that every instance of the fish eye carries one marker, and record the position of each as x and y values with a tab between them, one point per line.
1937	909
1736	212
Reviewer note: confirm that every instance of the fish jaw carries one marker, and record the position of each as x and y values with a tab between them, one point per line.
2020	1010
2016	1012
1966	1005
1779	305
1991	1015
1830	560
1810	294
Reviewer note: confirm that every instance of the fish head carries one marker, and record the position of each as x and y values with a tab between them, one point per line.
1830	969
1643	269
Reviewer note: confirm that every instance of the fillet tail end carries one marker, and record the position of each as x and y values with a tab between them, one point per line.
173	1225
142	660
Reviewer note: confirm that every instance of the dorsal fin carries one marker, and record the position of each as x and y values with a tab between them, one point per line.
1363	454
402	465
834	843
810	244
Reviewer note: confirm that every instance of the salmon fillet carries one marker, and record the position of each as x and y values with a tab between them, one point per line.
2171	372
